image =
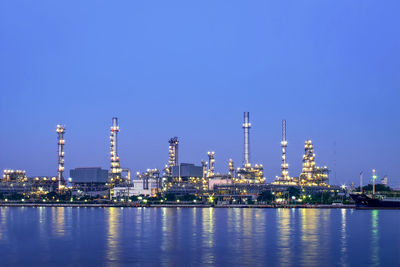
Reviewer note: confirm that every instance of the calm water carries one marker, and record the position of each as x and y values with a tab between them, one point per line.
195	236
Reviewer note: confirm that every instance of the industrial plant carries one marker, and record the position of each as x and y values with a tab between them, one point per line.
177	180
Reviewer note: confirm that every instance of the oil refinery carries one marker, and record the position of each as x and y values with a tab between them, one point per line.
176	180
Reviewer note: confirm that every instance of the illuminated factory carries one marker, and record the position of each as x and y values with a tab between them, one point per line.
177	178
182	178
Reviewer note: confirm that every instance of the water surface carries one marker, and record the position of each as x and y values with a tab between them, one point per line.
198	236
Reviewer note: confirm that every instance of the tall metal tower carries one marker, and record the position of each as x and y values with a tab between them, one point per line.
284	165
211	160
246	127
61	142
173	152
115	167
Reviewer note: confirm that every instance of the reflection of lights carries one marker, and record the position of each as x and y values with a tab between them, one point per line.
58	221
375	238
343	239
113	233
284	236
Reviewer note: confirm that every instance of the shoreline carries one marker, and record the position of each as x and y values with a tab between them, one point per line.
135	205
120	205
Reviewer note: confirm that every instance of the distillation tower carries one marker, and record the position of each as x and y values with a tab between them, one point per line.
173	156
173	152
312	175
60	170
115	175
308	168
211	167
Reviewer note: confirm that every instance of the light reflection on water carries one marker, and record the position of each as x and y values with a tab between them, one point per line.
375	239
343	239
285	229
58	221
309	237
113	215
208	236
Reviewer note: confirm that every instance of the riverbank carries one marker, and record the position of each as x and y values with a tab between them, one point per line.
139	205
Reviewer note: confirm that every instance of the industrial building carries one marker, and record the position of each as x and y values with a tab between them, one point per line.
14	176
148	188
88	175
187	170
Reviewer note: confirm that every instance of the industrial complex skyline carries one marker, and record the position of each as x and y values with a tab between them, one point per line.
191	70
208	166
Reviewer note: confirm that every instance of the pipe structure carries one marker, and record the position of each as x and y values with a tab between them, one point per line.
246	127
284	165
61	142
115	167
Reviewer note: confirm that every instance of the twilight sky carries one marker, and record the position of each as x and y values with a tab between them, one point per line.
190	69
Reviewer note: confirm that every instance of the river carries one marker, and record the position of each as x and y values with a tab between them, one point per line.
66	236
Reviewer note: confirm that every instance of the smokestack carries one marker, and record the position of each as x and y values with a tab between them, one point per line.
246	127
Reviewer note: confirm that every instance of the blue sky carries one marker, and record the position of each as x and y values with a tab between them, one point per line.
190	69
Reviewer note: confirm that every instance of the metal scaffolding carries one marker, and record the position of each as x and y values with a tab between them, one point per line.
60	170
115	175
